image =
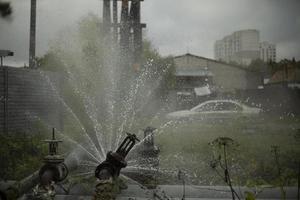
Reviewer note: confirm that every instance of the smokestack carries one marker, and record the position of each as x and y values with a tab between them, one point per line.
106	16
125	29
115	20
32	37
135	15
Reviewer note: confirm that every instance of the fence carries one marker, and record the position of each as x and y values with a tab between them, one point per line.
27	95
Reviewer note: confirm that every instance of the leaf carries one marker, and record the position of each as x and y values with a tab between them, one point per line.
249	195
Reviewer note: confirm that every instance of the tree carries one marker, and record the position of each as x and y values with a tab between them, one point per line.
91	69
259	65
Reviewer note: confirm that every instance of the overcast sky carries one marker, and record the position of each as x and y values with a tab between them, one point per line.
174	26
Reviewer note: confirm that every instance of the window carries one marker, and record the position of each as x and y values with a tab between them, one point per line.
219	106
227	106
206	107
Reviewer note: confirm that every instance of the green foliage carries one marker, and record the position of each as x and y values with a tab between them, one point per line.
162	66
249	196
81	54
259	65
271	67
50	62
21	154
77	53
149	52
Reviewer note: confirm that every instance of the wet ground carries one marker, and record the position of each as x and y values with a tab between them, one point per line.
165	192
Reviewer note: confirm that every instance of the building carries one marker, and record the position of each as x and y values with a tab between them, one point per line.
267	52
197	76
242	47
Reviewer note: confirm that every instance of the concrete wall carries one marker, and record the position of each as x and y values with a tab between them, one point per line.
27	95
226	78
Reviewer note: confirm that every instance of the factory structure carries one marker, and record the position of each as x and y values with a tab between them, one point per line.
198	78
244	46
122	24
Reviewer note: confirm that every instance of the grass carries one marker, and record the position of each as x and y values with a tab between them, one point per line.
185	146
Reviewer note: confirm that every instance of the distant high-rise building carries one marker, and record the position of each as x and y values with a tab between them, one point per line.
241	47
267	52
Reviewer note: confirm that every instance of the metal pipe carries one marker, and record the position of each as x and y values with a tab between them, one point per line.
32	37
24	186
5	102
55	170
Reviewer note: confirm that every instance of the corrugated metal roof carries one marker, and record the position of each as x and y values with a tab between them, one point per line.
194	73
215	61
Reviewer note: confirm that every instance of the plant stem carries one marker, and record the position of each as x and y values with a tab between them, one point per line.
227	176
283	194
298	195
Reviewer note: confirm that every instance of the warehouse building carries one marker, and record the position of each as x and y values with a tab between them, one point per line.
198	76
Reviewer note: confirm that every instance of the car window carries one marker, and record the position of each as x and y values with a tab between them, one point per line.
206	107
227	106
218	106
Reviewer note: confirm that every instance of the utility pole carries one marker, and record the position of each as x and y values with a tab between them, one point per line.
298	186
32	35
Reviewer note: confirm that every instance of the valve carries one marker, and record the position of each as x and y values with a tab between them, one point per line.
54	169
115	161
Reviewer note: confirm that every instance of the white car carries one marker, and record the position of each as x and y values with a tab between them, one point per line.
216	109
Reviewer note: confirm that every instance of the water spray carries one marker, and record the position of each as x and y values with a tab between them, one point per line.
108	171
115	161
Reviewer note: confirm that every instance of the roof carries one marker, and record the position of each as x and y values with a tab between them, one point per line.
212	60
193	73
